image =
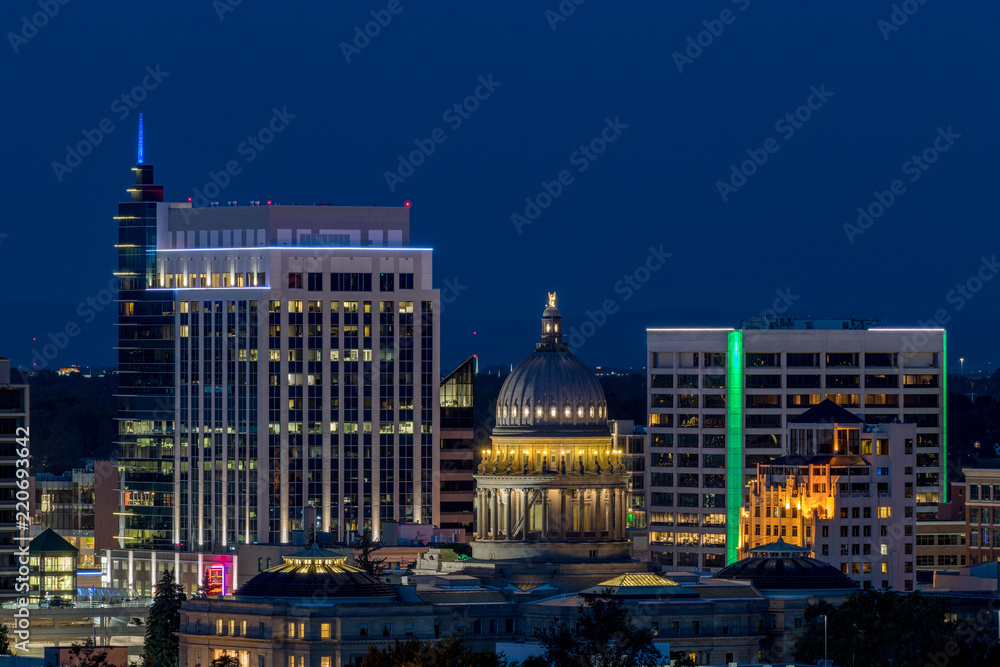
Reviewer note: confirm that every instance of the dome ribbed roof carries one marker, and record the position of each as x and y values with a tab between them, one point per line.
551	389
318	575
794	573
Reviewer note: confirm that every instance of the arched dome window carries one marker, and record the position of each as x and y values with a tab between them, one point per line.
553	412
527	412
505	412
567	411
579	411
591	410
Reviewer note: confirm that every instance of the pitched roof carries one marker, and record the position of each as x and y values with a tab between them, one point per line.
826	412
51	542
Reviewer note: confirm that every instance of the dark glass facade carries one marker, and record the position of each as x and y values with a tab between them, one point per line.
146	375
458	458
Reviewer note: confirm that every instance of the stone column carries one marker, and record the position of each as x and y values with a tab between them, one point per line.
494	513
545	515
562	514
480	524
525	507
598	516
507	514
621	514
613	525
624	515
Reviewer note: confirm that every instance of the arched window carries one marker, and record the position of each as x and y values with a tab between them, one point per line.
579	411
591	410
538	412
567	411
553	412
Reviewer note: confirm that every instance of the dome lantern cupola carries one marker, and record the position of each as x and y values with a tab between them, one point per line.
551	325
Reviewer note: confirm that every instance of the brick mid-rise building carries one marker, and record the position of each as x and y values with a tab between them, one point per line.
982	498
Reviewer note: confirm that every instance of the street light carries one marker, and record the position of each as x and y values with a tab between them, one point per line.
961	361
823	616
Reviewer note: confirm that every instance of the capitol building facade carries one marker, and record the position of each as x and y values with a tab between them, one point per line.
551	487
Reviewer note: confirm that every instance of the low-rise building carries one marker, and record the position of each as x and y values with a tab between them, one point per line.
53	563
315	610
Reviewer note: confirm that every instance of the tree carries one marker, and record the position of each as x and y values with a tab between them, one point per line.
226	660
449	652
681	659
4	640
875	628
207	589
364	550
161	646
88	654
604	636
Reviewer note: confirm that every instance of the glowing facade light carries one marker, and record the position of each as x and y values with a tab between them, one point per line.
140	139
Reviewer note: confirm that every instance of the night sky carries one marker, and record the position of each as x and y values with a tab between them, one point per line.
677	117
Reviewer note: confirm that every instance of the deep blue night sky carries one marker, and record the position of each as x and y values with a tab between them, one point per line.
655	185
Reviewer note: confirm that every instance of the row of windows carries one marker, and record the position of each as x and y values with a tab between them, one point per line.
711	540
774	401
707	500
350	282
794	381
982	491
983	515
690	519
799	359
943	560
228	279
952	540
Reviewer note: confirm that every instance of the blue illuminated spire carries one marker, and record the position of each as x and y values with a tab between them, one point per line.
140	139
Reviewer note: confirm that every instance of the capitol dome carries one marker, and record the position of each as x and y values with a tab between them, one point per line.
551	390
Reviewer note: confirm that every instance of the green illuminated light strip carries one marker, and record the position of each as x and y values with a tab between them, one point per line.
734	443
944	426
